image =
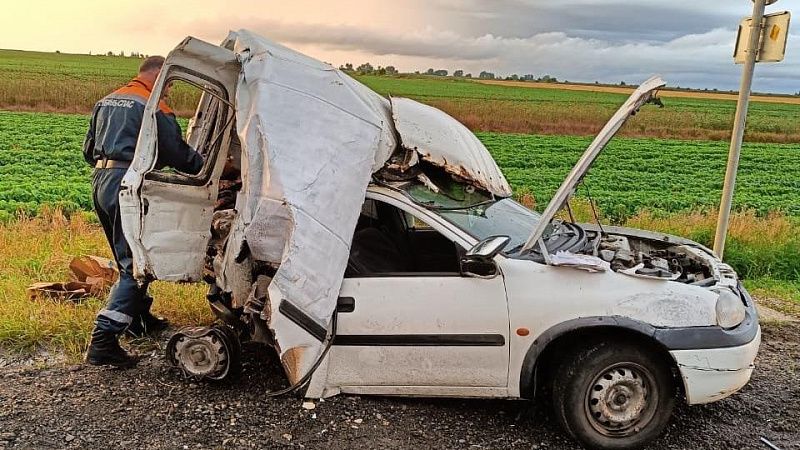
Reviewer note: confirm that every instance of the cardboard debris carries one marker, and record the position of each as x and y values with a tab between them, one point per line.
89	276
72	290
94	270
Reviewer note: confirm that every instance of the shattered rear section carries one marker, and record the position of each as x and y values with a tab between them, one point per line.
273	222
311	137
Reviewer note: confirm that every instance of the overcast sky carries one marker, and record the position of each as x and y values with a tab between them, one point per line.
688	42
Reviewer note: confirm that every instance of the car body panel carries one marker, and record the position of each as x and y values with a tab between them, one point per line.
167	224
712	374
405	332
445	142
639	97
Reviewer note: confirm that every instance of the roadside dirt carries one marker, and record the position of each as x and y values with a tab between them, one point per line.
150	407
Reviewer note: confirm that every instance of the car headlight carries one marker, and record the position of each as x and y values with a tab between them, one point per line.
730	309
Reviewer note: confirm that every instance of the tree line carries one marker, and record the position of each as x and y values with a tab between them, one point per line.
369	69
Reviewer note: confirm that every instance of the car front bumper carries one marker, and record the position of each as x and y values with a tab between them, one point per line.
715	373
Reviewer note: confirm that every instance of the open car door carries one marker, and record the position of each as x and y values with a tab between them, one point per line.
166	215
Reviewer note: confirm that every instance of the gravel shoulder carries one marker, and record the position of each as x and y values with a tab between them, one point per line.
62	406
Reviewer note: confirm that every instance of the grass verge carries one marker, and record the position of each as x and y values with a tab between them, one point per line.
40	249
763	249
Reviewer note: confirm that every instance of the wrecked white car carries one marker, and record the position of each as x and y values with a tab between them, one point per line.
374	245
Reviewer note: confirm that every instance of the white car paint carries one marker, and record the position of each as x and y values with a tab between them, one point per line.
713	374
537	297
311	139
447	143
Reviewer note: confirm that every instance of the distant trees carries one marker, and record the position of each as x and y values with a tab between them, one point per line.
438	73
365	69
368	69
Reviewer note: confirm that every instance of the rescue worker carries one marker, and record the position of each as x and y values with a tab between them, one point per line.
109	147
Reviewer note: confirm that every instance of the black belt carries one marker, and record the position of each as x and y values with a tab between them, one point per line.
106	163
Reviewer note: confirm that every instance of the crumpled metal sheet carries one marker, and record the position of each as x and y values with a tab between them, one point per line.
443	141
311	138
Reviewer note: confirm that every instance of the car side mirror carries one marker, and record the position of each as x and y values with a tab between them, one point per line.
478	261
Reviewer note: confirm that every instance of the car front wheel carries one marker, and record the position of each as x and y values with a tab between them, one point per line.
613	395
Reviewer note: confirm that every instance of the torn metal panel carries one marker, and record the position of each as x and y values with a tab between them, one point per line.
443	141
311	138
166	218
639	97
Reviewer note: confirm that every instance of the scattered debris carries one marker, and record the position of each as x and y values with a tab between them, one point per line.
579	261
309	405
89	276
769	444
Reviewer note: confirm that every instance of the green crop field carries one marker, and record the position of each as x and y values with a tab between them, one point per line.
73	83
41	163
647	178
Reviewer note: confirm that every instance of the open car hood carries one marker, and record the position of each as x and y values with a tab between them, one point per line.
639	97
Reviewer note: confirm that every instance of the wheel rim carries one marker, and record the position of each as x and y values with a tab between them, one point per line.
621	400
203	356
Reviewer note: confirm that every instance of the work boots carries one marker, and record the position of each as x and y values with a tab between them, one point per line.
146	324
104	350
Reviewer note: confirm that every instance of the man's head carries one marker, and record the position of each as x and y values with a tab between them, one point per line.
150	68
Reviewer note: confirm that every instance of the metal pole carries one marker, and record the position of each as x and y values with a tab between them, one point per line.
738	127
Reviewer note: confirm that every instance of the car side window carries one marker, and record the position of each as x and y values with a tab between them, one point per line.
389	241
205	131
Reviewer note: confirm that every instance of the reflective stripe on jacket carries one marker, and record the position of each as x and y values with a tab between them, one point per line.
114	129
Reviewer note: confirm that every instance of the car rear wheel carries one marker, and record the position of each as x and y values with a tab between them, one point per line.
613	395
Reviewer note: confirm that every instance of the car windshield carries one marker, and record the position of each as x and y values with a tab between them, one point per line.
478	213
503	217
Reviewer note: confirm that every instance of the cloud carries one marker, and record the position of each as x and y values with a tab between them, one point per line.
611	20
698	59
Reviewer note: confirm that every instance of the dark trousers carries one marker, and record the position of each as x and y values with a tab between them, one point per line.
127	299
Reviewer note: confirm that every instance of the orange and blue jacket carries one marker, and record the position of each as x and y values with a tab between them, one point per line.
114	129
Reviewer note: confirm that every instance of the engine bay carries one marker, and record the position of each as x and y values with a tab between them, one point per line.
632	255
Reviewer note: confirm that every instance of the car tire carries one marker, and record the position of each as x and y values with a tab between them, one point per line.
613	395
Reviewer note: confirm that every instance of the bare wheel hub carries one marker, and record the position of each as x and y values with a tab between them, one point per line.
619	400
204	352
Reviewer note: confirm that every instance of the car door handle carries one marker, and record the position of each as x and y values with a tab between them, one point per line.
346	305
